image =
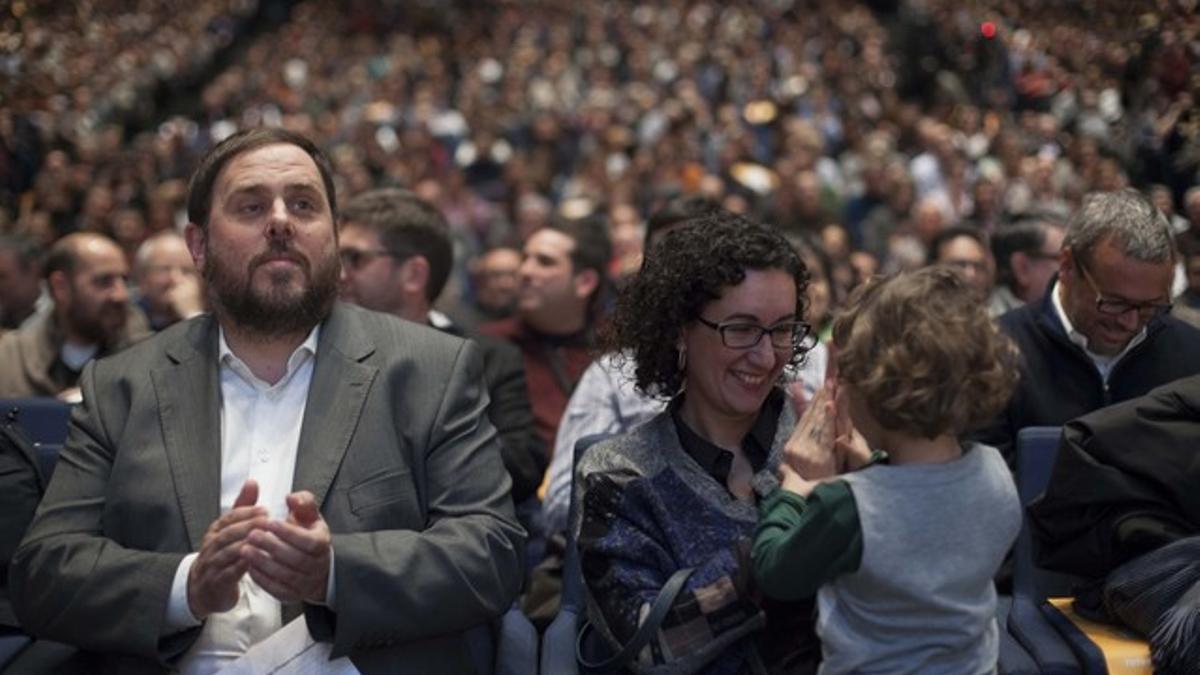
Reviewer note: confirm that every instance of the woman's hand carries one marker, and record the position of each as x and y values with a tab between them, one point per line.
809	452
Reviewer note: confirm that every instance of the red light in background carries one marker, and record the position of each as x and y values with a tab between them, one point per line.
988	29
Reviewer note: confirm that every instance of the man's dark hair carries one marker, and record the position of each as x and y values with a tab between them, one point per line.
25	249
407	226
677	211
593	248
950	234
200	189
1026	236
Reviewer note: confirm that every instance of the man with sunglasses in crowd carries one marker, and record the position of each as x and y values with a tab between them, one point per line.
396	258
1102	333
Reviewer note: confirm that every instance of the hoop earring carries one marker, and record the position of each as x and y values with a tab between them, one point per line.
681	360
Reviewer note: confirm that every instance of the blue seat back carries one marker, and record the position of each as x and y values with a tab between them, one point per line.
1028	623
507	646
43	419
1037	448
558	643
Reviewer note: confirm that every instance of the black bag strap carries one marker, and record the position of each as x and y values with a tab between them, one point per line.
629	651
16	437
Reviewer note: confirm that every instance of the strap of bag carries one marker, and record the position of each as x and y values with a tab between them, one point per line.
629	651
16	437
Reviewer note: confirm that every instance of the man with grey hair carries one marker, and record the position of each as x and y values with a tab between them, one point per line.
169	288
1102	333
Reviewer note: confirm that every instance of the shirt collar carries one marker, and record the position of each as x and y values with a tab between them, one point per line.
1104	363
717	461
300	355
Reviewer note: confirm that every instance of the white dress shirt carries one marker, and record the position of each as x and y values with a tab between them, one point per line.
260	435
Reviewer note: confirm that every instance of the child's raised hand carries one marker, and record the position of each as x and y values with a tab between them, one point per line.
809	451
851	448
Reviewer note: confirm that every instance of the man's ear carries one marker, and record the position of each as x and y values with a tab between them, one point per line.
1020	264
196	237
60	287
414	275
586	282
1066	262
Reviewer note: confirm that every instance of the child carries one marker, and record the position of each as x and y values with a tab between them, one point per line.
901	553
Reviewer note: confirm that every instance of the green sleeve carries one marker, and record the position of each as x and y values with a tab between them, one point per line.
802	543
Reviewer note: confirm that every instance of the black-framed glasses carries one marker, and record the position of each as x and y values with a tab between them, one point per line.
1113	307
356	258
785	335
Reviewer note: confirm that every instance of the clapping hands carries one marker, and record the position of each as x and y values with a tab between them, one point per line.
288	558
824	443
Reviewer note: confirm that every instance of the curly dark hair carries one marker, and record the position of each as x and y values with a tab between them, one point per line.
691	267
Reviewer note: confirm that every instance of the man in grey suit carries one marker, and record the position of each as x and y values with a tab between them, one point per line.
285	456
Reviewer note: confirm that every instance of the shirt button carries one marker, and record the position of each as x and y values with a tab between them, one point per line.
263	456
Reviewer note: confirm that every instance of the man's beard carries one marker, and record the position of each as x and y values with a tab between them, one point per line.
102	327
276	311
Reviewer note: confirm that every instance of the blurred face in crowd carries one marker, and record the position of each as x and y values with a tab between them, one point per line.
818	292
269	251
928	221
165	264
1110	297
371	276
865	266
728	383
496	280
553	297
970	261
1192	205
1034	271
19	285
94	300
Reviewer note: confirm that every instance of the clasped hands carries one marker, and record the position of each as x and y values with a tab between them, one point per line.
288	558
823	444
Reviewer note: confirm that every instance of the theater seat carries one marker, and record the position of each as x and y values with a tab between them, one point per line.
1056	643
12	643
508	646
43	419
1028	624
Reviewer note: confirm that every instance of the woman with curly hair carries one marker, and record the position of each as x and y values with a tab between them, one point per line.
901	553
711	322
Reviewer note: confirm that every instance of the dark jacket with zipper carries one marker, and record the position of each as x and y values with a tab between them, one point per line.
1060	382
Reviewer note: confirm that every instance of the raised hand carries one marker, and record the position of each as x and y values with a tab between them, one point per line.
213	580
851	448
290	558
809	452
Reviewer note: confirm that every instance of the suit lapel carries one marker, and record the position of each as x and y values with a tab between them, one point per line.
335	401
189	399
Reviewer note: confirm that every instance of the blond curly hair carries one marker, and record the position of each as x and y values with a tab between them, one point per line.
923	354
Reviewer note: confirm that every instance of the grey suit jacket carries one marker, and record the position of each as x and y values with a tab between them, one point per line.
395	446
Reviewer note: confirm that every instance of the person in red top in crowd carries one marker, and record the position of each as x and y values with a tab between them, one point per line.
562	283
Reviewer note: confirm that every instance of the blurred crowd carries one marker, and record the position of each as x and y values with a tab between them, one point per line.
866	128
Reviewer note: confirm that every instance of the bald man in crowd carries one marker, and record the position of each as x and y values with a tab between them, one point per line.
168	284
90	316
